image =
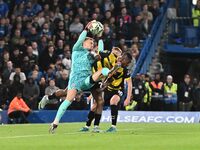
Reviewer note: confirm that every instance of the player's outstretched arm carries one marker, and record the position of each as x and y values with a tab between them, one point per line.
129	92
100	45
82	36
80	40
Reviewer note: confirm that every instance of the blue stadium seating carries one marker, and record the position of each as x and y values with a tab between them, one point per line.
191	37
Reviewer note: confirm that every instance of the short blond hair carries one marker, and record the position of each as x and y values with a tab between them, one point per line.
117	49
88	38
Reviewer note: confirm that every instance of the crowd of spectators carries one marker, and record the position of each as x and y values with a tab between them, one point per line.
36	38
158	93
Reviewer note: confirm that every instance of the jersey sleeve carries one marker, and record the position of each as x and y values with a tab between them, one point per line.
127	74
80	40
104	54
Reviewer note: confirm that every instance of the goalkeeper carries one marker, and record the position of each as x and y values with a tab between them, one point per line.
108	59
81	77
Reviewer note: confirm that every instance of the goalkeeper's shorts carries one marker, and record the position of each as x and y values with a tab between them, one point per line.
80	83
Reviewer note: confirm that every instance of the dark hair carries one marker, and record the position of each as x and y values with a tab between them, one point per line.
123	7
128	55
186	76
157	74
147	76
18	92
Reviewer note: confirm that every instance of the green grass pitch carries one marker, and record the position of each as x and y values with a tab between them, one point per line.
130	136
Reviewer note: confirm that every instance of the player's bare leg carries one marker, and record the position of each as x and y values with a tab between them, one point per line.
98	109
51	98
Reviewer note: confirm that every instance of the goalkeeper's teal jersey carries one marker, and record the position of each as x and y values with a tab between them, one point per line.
81	65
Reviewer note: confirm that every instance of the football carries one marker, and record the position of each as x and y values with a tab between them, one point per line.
97	28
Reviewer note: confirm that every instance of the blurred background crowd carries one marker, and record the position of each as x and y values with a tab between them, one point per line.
36	39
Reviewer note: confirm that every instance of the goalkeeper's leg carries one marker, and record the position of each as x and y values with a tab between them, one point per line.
71	94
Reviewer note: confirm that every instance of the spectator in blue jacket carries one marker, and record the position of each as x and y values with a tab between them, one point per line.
3	9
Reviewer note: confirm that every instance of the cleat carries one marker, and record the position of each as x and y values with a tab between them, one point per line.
52	128
96	130
112	129
84	129
43	102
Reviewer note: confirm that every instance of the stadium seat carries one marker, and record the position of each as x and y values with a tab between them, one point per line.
191	38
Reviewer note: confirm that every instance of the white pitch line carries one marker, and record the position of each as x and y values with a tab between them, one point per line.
23	136
68	133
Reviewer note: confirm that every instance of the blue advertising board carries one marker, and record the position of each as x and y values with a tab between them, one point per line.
154	117
0	117
47	116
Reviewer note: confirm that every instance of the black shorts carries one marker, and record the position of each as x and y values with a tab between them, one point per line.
109	94
17	114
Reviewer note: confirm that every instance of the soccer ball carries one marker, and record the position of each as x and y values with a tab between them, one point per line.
97	28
